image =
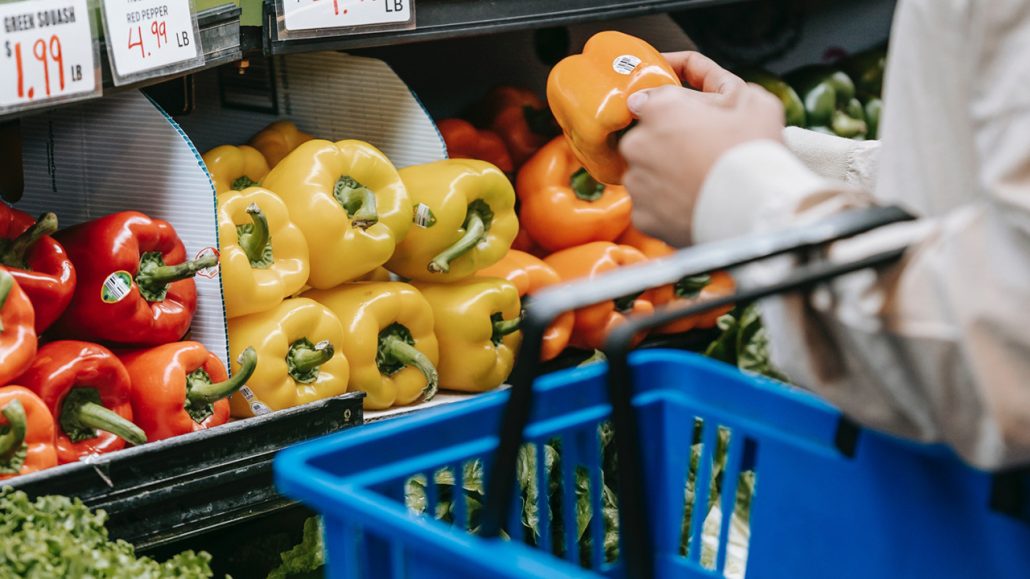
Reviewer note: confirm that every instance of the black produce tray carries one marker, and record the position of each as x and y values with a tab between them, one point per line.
172	489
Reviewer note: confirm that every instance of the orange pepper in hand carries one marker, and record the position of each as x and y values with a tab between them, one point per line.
563	206
593	323
521	119
587	93
529	274
465	141
684	292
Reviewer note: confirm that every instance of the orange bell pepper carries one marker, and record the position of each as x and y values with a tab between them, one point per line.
529	274
593	323
278	140
465	141
28	443
521	119
563	206
687	290
587	93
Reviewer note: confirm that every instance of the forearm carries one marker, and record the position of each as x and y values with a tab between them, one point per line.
846	160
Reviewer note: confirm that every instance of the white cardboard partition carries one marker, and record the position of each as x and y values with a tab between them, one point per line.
123	153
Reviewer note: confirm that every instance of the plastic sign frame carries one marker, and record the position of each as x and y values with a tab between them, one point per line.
149	26
300	19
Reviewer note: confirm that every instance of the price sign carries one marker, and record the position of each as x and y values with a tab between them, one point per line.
328	17
47	53
147	38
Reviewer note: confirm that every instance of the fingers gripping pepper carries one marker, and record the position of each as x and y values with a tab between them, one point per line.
235	168
26	433
587	93
563	206
181	387
392	349
135	285
278	140
466	213
87	390
593	323
299	359
465	141
686	291
349	202
264	255
17	333
37	262
530	274
477	322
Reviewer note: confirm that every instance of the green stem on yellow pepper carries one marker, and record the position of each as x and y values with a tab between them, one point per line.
15	250
397	350
201	393
358	201
12	440
477	223
585	187
255	238
304	359
504	327
242	183
82	415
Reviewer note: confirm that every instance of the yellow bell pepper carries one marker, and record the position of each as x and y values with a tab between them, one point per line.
264	256
350	203
464	220
278	140
235	168
377	274
477	323
299	360
390	345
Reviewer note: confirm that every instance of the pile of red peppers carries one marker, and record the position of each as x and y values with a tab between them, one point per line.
91	320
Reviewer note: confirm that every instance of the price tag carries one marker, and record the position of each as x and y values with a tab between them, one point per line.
300	18
47	53
148	38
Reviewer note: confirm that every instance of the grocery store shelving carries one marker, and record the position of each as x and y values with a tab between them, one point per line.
437	19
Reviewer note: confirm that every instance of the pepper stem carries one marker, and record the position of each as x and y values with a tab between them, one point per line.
202	393
477	222
14	253
11	441
95	416
253	240
6	285
304	359
358	201
154	276
585	186
395	349
504	327
691	286
242	183
846	126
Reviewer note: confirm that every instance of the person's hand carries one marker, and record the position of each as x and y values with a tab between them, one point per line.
680	135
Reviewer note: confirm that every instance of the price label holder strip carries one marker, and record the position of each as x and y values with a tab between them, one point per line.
306	19
151	38
49	54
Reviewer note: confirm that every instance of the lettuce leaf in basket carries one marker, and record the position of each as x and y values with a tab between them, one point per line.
744	343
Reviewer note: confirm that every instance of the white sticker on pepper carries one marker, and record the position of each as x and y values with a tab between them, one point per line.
116	287
625	64
151	35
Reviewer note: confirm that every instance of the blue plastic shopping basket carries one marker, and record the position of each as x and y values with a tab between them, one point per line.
692	439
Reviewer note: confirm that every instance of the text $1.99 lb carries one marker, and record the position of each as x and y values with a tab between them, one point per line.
46	52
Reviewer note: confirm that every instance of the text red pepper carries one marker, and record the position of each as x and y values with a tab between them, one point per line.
181	387
38	263
17	333
135	284
86	388
27	445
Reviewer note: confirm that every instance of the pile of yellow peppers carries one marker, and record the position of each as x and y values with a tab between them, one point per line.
309	232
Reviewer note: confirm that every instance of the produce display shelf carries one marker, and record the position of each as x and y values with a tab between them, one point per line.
438	19
170	490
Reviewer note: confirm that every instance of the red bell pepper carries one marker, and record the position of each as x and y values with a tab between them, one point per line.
26	433
86	388
181	387
17	332
38	263
135	284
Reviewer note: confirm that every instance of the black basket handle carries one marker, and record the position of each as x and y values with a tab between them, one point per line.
547	305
